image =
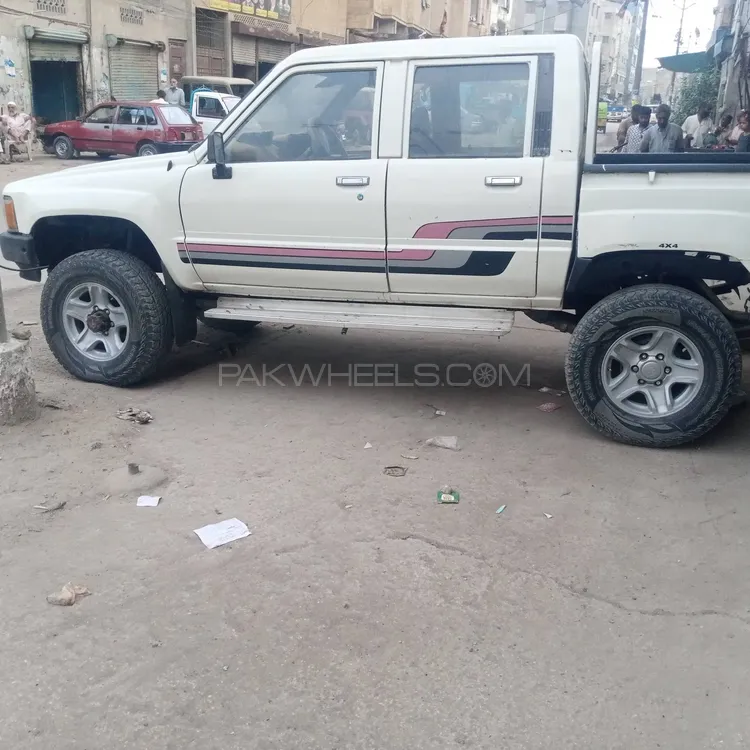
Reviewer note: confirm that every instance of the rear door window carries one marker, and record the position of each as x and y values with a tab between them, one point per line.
176	116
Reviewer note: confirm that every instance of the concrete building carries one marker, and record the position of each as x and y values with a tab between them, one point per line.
655	85
60	57
730	50
616	25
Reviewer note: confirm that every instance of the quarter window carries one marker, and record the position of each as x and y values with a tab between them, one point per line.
469	111
315	116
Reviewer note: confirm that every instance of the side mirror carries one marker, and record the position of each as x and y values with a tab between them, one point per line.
217	156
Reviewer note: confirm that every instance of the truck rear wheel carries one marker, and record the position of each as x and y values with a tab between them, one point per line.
106	317
654	366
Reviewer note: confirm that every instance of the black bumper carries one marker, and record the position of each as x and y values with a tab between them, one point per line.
169	148
19	249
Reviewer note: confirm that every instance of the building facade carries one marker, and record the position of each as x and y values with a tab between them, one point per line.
617	24
61	57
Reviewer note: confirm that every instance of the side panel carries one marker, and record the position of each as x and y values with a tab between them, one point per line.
685	212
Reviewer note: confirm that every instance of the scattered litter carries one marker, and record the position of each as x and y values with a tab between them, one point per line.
68	595
200	343
565	494
438	412
348	507
107	497
547	515
95	446
51	508
450	442
551	391
501	509
408	457
48	403
395	471
148	501
28	323
216	534
131	414
368	445
289	328
550	406
447	494
22	334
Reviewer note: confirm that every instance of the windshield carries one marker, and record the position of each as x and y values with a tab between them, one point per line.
176	116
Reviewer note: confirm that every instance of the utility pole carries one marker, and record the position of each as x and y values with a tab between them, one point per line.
641	50
678	40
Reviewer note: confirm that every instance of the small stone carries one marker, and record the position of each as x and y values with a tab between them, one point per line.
96	446
22	334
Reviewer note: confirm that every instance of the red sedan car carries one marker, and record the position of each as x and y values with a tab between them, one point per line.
133	128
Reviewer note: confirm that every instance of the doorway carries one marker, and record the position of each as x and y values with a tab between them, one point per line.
176	59
55	90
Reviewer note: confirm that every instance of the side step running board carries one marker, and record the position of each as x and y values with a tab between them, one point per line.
359	315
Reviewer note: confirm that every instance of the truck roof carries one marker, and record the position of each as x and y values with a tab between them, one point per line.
411	49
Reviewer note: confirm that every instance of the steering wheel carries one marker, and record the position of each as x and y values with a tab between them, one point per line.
324	142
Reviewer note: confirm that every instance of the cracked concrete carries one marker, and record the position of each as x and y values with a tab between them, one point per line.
360	613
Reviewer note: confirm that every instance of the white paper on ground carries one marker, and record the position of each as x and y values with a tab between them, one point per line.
216	534
148	501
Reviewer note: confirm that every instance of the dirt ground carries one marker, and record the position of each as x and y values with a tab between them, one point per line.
360	613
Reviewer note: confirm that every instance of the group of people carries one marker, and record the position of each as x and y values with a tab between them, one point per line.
637	135
173	95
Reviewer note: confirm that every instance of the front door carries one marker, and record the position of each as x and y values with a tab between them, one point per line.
304	207
95	132
463	201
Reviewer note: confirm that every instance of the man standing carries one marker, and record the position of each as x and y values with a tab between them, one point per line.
665	137
174	94
635	133
697	126
626	124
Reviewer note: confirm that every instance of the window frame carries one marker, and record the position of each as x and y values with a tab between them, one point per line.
200	95
374	65
115	109
531	60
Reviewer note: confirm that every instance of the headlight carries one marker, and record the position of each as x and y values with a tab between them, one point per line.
10	213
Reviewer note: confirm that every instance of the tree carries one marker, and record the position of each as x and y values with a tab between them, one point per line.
696	89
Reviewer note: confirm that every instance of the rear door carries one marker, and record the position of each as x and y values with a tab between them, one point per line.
463	202
96	130
134	125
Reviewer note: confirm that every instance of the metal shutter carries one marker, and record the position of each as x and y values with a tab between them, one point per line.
272	51
133	72
39	50
243	49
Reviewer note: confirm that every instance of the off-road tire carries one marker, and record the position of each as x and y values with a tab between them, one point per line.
63	147
663	305
144	298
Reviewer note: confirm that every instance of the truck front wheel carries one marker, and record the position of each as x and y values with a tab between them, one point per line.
106	317
654	366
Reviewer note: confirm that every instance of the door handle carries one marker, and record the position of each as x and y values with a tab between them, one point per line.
352	181
139	128
106	127
503	181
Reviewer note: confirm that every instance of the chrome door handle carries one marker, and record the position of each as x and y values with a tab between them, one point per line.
503	181
352	181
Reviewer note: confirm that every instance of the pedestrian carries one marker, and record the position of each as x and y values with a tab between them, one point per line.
160	98
665	137
743	142
697	126
734	137
724	130
174	94
626	124
635	132
16	129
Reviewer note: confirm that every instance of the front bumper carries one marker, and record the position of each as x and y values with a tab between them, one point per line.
19	249
172	146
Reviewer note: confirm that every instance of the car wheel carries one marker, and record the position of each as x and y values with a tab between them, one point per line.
63	147
147	149
106	317
654	366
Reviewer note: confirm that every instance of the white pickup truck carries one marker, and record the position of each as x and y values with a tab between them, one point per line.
476	195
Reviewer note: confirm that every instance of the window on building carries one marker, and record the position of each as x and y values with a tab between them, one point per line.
102	116
469	111
128	14
325	115
52	6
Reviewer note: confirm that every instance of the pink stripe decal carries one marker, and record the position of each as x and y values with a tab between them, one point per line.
441	229
290	252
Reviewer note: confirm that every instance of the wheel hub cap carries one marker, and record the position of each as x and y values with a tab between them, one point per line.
96	322
652	371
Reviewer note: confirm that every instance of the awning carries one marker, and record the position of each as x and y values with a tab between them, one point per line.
691	62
